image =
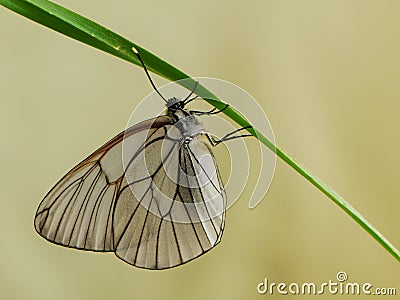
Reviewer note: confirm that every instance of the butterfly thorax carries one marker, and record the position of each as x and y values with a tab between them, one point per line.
187	123
190	126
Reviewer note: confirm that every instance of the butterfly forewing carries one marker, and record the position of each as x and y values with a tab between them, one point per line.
158	205
78	211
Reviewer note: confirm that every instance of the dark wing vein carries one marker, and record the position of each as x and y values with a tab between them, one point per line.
78	211
101	205
154	234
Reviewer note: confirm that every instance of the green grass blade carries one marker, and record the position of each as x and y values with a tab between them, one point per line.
82	29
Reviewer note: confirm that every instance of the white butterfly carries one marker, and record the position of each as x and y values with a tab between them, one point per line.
158	205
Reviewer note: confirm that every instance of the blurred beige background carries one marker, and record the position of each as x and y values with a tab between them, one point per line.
326	72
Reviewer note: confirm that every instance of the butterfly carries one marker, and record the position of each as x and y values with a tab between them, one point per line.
158	205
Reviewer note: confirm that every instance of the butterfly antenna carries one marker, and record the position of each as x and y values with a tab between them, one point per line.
147	73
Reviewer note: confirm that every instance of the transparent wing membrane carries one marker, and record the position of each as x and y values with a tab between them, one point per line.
153	200
78	211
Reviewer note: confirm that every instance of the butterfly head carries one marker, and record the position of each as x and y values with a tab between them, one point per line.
174	104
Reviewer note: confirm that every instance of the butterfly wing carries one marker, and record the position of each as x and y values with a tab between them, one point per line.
174	214
78	210
104	205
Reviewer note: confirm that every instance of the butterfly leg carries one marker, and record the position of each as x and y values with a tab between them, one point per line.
230	136
210	112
